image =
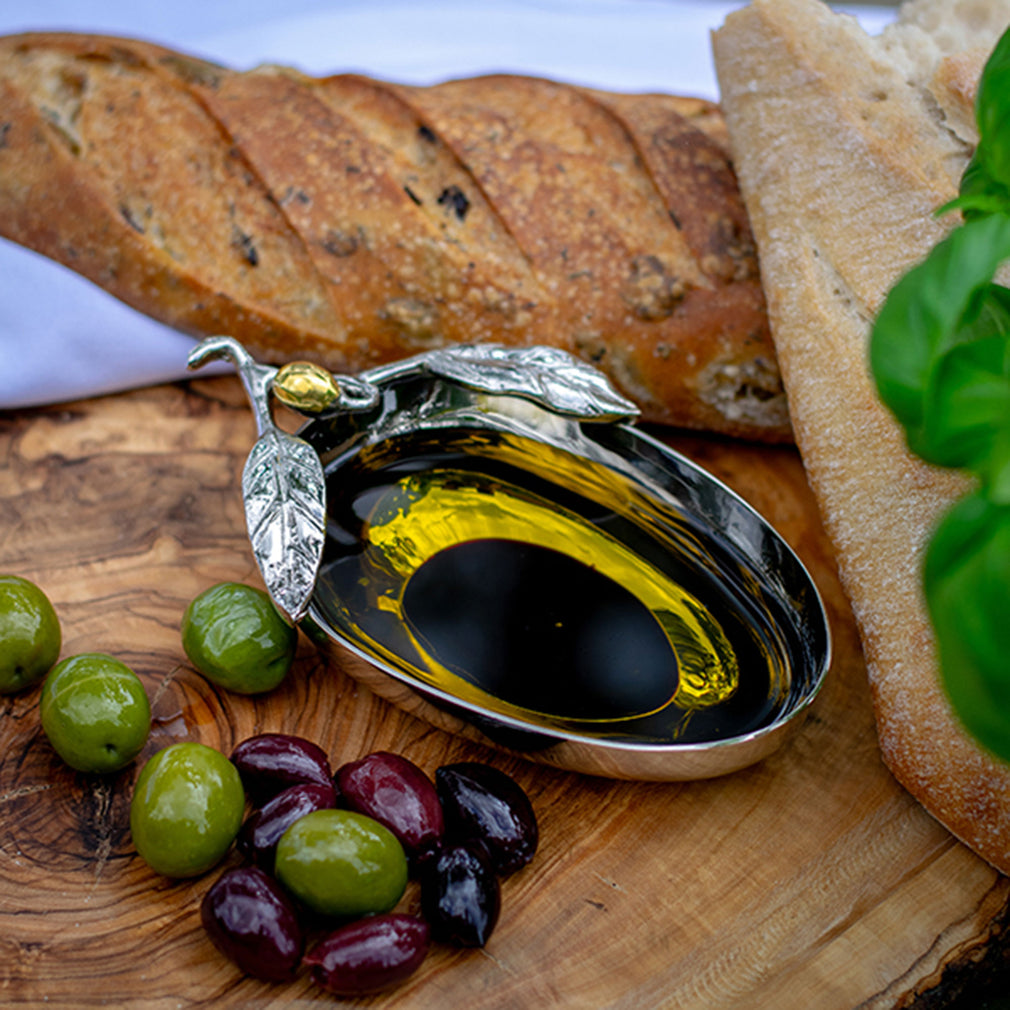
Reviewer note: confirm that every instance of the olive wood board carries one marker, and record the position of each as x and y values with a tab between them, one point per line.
811	880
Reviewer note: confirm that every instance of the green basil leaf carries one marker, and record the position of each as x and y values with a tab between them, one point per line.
997	471
980	194
967	401
930	309
969	398
992	113
967	586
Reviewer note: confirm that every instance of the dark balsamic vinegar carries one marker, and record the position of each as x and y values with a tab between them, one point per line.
535	590
518	637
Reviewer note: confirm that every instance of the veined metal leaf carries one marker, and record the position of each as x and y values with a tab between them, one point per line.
546	375
285	508
283	487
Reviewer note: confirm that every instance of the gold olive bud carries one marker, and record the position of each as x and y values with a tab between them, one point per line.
306	387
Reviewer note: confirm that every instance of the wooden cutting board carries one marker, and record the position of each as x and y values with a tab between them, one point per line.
809	881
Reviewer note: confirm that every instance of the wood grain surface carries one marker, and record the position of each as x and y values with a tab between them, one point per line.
809	881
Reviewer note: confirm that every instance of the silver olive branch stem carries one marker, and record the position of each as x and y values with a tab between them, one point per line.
256	378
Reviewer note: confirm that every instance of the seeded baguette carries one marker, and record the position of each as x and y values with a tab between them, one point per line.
845	146
352	221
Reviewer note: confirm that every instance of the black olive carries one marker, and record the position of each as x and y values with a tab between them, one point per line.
460	895
482	802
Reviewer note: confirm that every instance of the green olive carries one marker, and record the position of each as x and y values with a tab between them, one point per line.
235	637
186	809
338	862
95	712
29	634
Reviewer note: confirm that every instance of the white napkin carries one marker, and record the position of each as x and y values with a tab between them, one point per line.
62	338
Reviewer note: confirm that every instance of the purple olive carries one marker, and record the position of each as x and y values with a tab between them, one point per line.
396	793
253	922
271	762
461	895
479	801
263	828
370	954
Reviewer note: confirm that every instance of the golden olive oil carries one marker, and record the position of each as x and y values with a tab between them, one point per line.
545	586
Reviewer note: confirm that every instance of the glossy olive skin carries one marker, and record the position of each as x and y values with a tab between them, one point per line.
341	863
370	954
482	802
30	636
272	762
186	809
95	713
262	830
254	923
235	637
461	895
399	795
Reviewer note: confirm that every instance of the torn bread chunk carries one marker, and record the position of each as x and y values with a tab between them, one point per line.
845	145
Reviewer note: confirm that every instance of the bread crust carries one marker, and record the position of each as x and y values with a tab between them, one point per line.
842	162
352	221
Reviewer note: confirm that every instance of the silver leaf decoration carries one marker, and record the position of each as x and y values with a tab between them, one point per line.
283	487
546	375
284	492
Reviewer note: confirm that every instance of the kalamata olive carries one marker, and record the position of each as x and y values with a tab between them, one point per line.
370	954
396	793
460	895
263	828
253	922
482	802
271	762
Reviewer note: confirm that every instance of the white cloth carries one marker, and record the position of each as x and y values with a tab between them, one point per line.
62	338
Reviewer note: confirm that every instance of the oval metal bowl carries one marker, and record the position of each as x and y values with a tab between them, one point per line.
541	411
745	547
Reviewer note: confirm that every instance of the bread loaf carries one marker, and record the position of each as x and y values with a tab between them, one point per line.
352	221
845	146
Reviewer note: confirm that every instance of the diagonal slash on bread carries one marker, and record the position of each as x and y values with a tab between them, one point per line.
844	146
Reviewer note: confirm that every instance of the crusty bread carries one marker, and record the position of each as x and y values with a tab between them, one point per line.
354	221
845	145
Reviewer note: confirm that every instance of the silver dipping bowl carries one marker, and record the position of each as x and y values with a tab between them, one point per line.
558	418
750	551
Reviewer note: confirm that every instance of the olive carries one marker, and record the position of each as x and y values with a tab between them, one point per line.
186	809
482	802
338	862
272	762
263	828
30	636
370	954
397	794
235	636
254	923
95	713
461	895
